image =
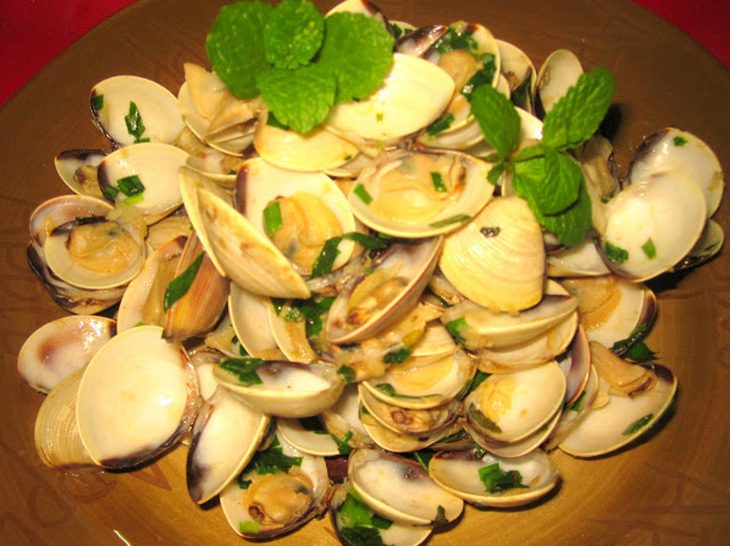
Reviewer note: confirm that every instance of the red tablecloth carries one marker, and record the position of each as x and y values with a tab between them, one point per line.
32	32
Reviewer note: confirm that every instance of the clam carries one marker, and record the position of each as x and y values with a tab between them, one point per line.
494	481
61	347
267	499
144	176
581	260
615	419
557	74
677	151
510	407
308	435
130	109
56	433
226	435
477	327
400	489
342	420
707	247
397	442
347	510
413	95
420	194
169	228
249	315
319	150
280	388
611	309
425	382
370	303
137	377
498	259
299	212
77	169
636	243
519	72
245	254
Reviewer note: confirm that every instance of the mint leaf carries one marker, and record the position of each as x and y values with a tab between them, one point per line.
293	34
551	182
235	46
301	98
497	118
577	115
572	224
358	50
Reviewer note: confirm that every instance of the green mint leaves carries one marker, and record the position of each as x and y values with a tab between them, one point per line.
301	63
293	34
544	175
235	46
577	115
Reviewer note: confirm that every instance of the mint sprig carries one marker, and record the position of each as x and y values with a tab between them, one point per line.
299	62
544	174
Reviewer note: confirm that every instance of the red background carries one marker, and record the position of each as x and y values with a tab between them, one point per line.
32	32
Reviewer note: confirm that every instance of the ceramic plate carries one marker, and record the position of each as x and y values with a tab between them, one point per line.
674	489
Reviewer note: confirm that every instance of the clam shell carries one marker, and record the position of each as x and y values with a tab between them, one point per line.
557	74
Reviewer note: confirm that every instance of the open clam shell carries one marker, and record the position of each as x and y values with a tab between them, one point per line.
420	194
369	304
413	95
510	407
250	317
136	377
400	489
308	435
557	74
342	420
674	150
154	168
345	503
494	481
622	420
61	347
423	383
280	388
262	504
111	105
226	435
77	169
636	243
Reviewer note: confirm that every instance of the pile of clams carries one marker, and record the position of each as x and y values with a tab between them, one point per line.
354	321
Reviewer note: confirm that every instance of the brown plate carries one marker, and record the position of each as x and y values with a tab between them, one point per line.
673	489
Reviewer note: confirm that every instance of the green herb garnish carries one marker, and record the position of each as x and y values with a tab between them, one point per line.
111	192
456	328
135	126
483	76
457	37
343	446
424	457
274	460
440	125
679	140
640	352
367	241
482	420
440	518
637	425
326	259
130	185
438	182
496	480
478	379
386	388
249	527
313	424
363	194
398	356
347	373
97	103
180	285
459	218
615	253
301	63
272	218
636	335
577	406
649	249
244	369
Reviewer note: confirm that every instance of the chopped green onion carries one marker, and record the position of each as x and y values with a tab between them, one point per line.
347	373
455	328
637	425
111	192
615	253
397	357
649	249
482	420
483	76
496	480
367	241
679	141
249	527
180	285
453	220
438	182
363	194
272	218
244	369
130	185
326	259
97	103
135	126
440	125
